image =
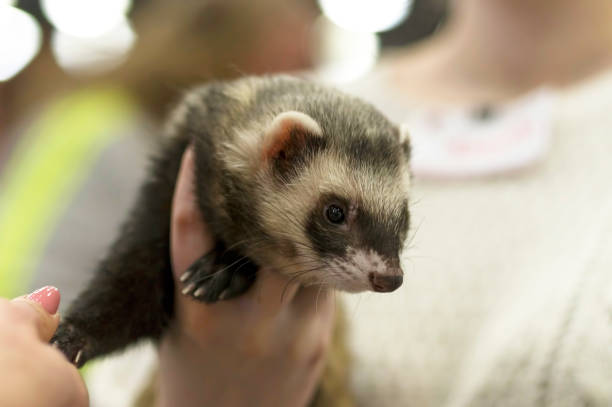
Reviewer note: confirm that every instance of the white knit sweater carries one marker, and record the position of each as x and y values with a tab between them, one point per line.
507	297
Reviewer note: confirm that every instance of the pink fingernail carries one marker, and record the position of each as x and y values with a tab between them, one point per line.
48	297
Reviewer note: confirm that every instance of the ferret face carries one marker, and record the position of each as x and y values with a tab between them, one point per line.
340	208
348	226
359	245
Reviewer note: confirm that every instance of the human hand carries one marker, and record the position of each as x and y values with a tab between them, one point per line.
260	349
32	372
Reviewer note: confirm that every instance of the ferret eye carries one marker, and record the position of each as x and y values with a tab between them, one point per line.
334	214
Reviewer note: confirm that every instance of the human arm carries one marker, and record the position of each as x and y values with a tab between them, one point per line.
264	348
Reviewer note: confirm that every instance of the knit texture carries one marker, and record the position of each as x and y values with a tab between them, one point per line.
507	296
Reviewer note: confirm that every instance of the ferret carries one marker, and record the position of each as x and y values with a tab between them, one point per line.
290	174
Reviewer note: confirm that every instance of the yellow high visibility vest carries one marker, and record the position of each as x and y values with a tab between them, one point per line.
45	170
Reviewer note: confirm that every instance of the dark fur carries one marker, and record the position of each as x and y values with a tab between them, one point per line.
131	295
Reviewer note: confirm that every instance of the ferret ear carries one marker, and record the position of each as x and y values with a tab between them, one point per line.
404	139
290	136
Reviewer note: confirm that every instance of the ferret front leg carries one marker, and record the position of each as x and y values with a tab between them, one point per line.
131	295
218	275
129	299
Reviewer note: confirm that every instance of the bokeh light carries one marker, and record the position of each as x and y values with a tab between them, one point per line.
343	55
366	15
20	40
91	56
85	18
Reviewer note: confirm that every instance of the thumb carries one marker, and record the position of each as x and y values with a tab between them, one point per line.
189	236
39	309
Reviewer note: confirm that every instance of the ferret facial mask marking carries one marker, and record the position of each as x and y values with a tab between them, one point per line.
349	242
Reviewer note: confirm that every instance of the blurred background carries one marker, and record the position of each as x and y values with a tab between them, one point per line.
49	46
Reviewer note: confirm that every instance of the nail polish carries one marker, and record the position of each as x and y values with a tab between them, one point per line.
48	297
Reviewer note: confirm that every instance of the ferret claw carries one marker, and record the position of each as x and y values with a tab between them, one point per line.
77	358
69	340
210	278
224	294
188	289
185	276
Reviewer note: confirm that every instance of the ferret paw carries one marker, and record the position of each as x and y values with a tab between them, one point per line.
71	343
210	282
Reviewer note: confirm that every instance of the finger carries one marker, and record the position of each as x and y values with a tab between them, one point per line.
65	383
78	395
272	291
189	240
189	236
48	297
315	301
30	311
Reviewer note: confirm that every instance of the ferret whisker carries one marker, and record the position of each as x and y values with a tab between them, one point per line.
317	299
309	262
415	202
416	230
286	287
295	276
264	249
211	275
254	243
322	284
239	243
301	273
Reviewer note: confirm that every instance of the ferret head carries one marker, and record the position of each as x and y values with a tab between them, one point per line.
333	196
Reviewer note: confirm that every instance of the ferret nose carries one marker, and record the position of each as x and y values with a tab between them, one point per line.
387	282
